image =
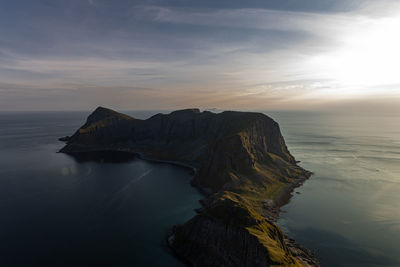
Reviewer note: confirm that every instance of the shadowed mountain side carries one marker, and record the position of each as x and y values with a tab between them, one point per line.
241	160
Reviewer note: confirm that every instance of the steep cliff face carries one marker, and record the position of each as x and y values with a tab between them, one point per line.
241	158
184	133
229	232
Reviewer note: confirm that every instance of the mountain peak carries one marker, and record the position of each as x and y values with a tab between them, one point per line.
102	109
101	113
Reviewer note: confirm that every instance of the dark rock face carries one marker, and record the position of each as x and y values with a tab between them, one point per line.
229	233
226	245
189	134
241	158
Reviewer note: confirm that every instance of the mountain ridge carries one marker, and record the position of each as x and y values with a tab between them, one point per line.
242	162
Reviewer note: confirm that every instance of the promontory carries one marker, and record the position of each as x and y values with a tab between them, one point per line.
242	164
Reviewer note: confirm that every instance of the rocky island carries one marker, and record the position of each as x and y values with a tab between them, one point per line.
241	163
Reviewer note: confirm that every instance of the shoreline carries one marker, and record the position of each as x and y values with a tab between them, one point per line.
279	201
271	207
284	197
137	154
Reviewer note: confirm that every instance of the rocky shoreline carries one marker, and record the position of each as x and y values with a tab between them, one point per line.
272	210
271	207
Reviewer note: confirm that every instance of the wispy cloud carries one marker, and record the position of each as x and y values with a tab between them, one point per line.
230	57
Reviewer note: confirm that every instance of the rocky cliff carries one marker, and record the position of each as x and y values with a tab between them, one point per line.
242	161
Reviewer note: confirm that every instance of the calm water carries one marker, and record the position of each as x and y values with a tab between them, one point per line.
349	211
55	211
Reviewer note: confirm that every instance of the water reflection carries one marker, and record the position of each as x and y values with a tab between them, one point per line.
103	157
105	209
335	250
349	210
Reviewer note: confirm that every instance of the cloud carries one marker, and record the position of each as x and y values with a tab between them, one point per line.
230	56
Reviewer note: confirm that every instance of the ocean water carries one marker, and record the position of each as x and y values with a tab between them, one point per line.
59	211
348	213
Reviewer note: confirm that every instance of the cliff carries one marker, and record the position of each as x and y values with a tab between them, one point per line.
242	161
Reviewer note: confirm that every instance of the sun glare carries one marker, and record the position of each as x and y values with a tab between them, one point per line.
368	58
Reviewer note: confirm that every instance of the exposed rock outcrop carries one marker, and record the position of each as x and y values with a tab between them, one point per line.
242	160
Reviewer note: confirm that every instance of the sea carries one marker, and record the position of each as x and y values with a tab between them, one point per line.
117	210
56	210
348	212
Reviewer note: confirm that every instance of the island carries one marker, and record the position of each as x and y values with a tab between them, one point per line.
240	162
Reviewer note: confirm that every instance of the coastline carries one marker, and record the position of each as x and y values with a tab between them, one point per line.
239	162
284	197
279	201
137	154
271	209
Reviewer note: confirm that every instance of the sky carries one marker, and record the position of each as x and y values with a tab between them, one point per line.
225	54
